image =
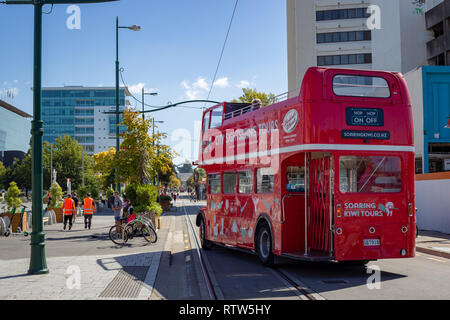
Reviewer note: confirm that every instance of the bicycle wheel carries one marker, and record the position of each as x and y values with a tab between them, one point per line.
118	235
149	233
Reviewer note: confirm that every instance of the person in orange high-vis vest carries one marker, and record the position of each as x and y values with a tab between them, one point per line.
89	209
68	210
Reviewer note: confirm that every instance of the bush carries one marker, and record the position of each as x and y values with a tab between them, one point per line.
12	196
82	192
165	198
109	193
131	193
146	194
156	209
56	194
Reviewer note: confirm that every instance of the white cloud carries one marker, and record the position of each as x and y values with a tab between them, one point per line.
193	94
201	84
222	83
185	85
16	81
243	84
137	88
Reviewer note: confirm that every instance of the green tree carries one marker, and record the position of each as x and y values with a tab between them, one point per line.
12	196
251	94
2	174
141	156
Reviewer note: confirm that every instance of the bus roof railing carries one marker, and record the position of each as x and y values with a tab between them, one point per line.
255	106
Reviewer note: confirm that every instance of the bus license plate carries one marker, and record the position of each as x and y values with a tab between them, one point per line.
371	242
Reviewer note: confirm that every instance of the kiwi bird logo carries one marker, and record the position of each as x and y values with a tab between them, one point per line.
388	209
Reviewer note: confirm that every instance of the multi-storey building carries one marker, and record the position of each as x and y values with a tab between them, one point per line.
336	33
15	131
438	22
80	113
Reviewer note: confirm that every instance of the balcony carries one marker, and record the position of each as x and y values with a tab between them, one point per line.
436	47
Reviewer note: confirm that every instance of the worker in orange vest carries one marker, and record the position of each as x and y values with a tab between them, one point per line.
68	210
89	209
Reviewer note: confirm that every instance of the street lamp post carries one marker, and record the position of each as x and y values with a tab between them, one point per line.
157	148
38	263
134	28
143	104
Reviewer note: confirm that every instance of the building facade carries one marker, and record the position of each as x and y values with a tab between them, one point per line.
336	33
80	113
15	130
438	23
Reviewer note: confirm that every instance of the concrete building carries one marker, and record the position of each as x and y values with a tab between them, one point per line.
79	113
438	22
335	33
15	131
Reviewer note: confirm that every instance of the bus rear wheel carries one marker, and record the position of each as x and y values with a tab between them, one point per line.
263	245
206	245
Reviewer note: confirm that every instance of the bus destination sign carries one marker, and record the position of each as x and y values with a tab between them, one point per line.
365	117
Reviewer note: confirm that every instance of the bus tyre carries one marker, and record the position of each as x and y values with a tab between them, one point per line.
206	245
263	245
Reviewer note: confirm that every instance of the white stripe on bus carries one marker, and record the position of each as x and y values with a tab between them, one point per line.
311	147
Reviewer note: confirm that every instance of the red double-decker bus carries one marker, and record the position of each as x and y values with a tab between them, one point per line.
326	175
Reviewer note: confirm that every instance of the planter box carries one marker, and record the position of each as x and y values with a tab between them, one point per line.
166	205
59	214
16	221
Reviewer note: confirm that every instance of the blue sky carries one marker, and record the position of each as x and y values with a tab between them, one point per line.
175	53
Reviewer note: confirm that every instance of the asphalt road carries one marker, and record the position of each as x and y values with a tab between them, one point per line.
241	276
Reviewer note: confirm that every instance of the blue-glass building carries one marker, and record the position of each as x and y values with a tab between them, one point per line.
79	112
15	129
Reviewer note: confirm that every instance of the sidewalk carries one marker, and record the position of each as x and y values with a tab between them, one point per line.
84	264
434	243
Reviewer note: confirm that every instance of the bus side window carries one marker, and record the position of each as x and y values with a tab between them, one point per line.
206	121
264	180
229	182
245	182
214	183
295	179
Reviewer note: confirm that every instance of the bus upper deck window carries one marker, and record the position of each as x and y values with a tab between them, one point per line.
370	174
216	117
361	86
206	121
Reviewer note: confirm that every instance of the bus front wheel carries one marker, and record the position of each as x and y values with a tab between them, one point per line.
263	245
206	245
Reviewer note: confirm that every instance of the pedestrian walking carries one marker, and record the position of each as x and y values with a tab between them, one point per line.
89	209
68	211
76	202
117	207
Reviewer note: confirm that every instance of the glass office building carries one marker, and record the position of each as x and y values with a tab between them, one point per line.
80	113
15	129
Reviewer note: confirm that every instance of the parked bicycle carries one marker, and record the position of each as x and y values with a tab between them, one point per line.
138	227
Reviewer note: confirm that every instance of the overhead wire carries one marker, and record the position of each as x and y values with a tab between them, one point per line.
223	49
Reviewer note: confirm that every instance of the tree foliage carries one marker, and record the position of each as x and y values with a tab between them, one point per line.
142	156
12	196
251	94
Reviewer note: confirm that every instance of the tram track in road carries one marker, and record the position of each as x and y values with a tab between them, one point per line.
213	291
293	284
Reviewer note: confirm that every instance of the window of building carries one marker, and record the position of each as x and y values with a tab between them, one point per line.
295	179
264	180
340	14
214	183
245	182
344	59
229	182
370	174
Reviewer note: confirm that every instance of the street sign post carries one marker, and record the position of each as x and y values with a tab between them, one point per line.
38	263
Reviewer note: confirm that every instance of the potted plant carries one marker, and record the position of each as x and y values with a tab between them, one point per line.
165	201
55	203
12	199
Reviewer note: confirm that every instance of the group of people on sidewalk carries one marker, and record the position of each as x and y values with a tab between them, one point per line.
70	210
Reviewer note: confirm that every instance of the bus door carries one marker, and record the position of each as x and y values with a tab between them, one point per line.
293	205
320	203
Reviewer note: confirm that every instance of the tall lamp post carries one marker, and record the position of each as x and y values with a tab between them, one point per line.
134	28
143	97
38	262
155	182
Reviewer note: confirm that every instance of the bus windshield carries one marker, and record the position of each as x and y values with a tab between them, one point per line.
370	174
